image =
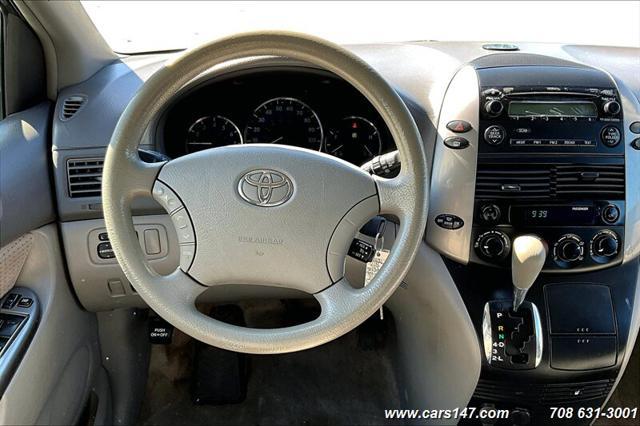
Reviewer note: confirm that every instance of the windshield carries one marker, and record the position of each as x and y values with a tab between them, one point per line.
151	26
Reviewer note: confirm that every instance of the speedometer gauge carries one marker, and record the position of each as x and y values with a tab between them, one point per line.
355	139
211	132
286	121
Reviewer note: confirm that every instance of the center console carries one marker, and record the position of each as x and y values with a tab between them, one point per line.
550	162
540	151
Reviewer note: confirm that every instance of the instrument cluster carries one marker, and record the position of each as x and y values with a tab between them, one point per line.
303	108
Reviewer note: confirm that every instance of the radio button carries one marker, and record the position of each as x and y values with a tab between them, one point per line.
635	127
493	107
494	135
635	144
612	107
610	136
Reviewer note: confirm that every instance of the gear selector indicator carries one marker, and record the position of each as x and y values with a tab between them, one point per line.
512	340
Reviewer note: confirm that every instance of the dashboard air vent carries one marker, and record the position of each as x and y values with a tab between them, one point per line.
550	181
71	106
84	177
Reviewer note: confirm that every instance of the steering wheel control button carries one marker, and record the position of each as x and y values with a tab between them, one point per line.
490	213
449	221
610	136
456	142
459	126
610	214
183	226
166	197
635	127
493	245
361	250
103	236
105	251
605	245
187	253
494	135
568	250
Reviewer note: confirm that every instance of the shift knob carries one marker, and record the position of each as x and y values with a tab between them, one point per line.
527	259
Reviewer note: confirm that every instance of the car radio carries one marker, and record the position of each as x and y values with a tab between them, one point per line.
550	163
550	119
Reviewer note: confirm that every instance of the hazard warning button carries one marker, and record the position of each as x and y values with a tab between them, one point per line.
458	126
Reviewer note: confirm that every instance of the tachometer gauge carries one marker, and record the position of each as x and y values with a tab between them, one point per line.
355	139
211	132
286	121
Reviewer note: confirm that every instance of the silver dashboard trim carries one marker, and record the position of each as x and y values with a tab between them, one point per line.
631	113
453	177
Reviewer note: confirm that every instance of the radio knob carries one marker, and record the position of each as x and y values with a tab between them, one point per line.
611	107
604	245
493	107
493	245
568	250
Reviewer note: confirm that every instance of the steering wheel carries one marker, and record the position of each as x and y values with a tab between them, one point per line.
268	215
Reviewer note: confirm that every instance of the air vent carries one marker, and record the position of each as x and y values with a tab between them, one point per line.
542	394
550	181
84	177
71	106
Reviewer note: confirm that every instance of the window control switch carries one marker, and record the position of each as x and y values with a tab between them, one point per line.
11	300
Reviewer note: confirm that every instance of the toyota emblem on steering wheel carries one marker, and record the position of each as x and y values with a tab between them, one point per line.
265	188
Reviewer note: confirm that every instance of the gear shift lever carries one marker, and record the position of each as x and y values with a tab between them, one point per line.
527	259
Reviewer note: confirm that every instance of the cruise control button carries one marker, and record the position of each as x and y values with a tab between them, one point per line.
610	136
166	197
456	142
459	126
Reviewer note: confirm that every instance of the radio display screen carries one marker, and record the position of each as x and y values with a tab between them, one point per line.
552	109
553	215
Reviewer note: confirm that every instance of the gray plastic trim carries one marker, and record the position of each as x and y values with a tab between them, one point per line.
454	170
26	201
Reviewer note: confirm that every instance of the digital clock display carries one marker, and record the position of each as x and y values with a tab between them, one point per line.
552	109
552	215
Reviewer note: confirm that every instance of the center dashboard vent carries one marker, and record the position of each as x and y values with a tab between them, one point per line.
71	106
550	181
84	177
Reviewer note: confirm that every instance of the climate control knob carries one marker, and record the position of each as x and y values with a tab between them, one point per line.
568	250
493	107
604	246
493	245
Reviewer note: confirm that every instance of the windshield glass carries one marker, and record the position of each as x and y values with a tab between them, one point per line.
150	26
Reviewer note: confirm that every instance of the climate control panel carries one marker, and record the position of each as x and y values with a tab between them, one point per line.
570	249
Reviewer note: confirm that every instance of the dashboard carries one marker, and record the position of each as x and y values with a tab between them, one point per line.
544	141
304	108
